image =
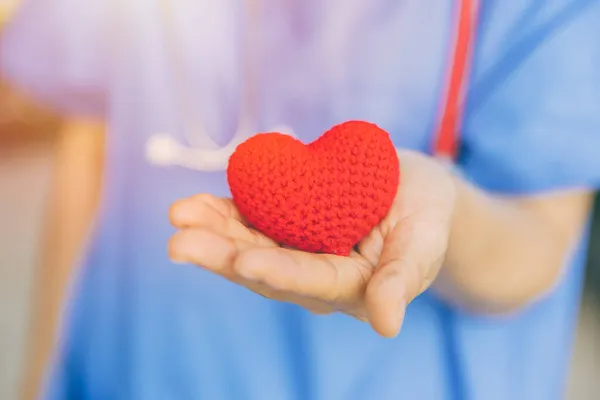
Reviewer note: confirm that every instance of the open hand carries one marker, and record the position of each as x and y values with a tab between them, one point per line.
396	262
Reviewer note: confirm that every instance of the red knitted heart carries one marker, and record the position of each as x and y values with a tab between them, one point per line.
322	197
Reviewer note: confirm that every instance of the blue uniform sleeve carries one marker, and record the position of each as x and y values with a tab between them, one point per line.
56	51
532	120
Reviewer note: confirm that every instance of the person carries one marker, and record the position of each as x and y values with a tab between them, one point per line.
469	287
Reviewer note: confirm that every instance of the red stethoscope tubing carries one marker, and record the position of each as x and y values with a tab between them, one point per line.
446	146
448	135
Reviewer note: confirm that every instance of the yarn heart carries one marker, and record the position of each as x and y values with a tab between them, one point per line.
323	197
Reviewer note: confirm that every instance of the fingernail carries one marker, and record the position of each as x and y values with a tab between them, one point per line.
177	258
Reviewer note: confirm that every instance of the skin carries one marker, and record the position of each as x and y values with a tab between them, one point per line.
71	207
484	253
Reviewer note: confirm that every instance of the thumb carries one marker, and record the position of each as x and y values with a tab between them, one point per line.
398	279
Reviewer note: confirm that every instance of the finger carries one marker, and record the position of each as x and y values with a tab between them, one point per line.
331	279
371	246
217	254
218	215
400	276
213	253
194	210
205	248
314	306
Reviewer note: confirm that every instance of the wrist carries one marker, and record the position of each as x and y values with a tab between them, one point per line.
453	283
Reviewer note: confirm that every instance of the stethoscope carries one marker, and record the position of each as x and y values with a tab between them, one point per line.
445	146
203	154
200	152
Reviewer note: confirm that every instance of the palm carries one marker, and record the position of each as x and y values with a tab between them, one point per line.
213	234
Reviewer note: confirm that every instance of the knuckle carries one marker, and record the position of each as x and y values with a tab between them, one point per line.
204	197
320	309
266	293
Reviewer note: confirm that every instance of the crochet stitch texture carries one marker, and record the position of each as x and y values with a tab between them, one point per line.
323	197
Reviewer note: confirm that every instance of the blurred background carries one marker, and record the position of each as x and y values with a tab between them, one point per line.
28	135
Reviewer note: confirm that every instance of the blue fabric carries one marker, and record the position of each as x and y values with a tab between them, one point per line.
141	328
533	113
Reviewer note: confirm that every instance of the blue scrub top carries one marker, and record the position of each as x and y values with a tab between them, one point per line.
140	328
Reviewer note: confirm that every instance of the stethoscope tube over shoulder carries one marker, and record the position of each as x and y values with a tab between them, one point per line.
198	150
447	137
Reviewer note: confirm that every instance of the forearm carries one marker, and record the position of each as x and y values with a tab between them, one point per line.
71	205
52	277
504	253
